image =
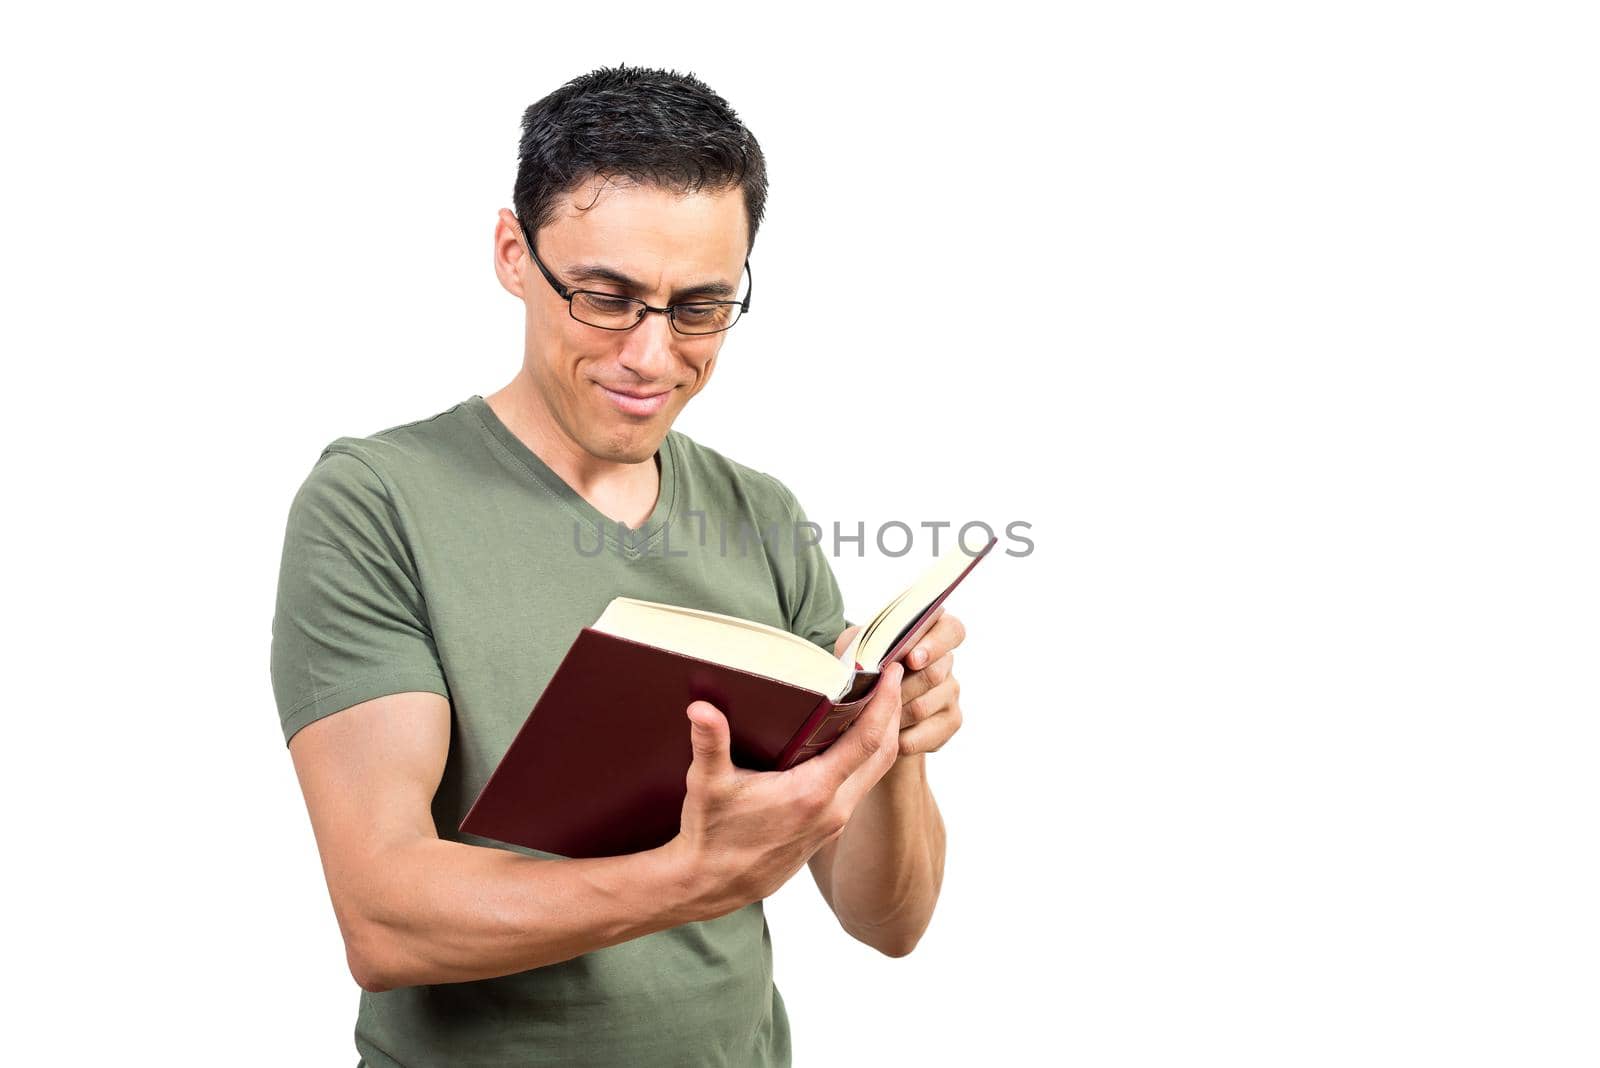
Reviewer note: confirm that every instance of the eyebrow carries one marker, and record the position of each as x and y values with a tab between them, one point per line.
599	272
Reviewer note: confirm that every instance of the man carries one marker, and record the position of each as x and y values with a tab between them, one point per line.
434	574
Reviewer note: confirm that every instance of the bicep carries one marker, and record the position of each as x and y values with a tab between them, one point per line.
369	774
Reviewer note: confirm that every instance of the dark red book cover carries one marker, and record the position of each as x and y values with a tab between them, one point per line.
599	766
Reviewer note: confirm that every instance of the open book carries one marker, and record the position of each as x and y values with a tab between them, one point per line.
779	654
598	767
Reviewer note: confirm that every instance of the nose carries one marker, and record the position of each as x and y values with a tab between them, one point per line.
647	348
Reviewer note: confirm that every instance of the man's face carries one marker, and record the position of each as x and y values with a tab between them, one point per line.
666	244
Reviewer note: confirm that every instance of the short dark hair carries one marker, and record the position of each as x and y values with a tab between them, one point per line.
651	126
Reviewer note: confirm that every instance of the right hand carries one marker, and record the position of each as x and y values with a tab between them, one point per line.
744	833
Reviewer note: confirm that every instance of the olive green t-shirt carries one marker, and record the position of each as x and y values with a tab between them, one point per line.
444	556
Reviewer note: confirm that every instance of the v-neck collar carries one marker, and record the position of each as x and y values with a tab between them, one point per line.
630	541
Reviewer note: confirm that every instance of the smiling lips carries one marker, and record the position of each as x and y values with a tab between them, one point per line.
632	403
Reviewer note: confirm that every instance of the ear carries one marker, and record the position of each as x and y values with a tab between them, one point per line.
511	263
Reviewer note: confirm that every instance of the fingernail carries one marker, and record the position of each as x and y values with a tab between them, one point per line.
919	656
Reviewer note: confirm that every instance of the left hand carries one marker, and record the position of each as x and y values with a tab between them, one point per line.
930	711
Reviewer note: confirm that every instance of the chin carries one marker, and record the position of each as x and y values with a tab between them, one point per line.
631	444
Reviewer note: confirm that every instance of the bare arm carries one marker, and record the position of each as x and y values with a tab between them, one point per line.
415	909
881	877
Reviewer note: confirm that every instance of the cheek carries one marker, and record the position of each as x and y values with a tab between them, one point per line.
703	371
561	375
572	361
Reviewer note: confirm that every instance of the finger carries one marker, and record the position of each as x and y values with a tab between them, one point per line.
873	725
844	639
945	634
932	733
914	710
918	652
878	744
708	738
918	683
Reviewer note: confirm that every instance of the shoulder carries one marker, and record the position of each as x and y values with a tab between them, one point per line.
715	470
384	463
409	449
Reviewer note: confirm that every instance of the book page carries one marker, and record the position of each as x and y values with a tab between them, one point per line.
877	638
723	639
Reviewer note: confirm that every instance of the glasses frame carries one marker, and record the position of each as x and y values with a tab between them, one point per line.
670	311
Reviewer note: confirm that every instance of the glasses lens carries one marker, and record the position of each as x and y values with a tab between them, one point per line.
705	318
606	312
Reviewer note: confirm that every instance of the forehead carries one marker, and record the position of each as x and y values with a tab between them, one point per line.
645	226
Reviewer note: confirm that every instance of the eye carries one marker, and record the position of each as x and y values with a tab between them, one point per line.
711	312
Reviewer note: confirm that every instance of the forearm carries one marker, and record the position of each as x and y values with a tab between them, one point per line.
886	867
434	911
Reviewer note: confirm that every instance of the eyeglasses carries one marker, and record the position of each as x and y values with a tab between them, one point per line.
611	311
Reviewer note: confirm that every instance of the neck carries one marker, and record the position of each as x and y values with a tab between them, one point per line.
623	491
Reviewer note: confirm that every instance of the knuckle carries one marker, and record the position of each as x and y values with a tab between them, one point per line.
713	794
955	687
723	789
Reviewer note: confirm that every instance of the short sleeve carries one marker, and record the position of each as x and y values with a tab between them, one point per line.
815	606
350	623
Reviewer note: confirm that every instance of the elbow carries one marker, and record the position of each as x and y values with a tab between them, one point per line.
368	977
376	950
371	963
889	942
382	947
368	973
901	947
370	981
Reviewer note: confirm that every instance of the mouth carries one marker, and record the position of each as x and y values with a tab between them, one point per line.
632	403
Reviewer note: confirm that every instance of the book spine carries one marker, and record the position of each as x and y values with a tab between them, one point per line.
822	728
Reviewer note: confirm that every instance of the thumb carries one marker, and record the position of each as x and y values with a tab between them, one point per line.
883	711
708	736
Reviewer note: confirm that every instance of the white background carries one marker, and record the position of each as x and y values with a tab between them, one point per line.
1277	323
